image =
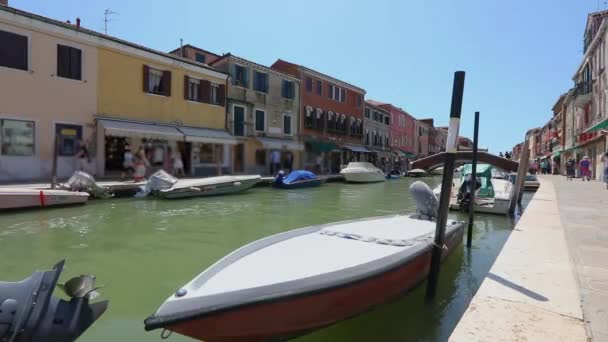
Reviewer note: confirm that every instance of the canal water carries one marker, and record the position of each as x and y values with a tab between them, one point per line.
142	250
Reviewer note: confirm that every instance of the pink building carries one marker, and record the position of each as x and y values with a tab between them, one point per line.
402	137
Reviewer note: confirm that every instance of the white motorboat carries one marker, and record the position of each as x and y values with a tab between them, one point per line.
362	172
166	186
417	173
292	283
493	195
18	198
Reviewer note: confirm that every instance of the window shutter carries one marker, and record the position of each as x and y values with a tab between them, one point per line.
222	95
234	74
246	77
167	82
330	91
146	78
204	91
187	87
75	62
266	83
343	95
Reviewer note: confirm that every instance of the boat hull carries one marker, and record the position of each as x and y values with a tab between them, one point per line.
363	177
293	315
500	207
301	184
226	188
32	198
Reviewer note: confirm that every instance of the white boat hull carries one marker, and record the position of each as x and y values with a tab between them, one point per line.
363	177
500	204
18	198
213	186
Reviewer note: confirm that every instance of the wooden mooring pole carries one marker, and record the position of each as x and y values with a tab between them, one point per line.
474	173
54	167
522	170
446	184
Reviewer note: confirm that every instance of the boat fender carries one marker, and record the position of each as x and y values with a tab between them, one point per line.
425	199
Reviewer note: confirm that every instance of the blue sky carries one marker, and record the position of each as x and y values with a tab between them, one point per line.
519	55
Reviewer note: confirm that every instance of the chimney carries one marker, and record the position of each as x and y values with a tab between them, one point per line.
77	21
4	2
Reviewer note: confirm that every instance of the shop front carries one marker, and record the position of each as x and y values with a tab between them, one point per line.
322	156
354	153
209	151
269	155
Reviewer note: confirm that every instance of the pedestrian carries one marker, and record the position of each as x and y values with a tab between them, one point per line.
501	155
585	167
83	158
275	161
127	163
319	164
570	169
605	160
288	162
141	163
178	164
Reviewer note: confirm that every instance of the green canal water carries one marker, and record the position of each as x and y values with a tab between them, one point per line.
142	250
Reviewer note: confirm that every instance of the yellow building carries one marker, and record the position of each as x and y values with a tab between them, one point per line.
163	103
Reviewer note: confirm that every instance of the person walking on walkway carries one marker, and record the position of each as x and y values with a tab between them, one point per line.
275	161
605	160
570	169
585	168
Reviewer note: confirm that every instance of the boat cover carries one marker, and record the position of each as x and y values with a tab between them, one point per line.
82	181
160	180
298	175
484	173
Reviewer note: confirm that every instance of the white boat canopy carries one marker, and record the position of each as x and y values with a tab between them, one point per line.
207	135
139	129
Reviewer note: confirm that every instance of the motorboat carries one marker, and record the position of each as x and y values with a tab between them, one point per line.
362	172
417	173
18	198
82	181
295	282
492	195
395	174
166	186
531	183
437	171
297	179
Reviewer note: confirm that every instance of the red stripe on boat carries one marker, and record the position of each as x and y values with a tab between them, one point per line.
41	198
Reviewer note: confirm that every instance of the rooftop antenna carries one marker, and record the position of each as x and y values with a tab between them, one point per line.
181	47
106	14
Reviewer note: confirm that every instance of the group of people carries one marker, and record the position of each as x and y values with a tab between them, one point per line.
275	162
505	155
137	165
585	168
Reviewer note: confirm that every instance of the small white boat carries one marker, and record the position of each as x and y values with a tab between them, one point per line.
18	198
493	196
362	172
292	283
166	186
417	173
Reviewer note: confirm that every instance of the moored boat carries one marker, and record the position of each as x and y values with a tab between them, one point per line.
297	179
417	173
18	198
292	283
362	172
166	186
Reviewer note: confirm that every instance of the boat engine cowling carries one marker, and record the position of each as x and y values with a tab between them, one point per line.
426	201
30	313
464	192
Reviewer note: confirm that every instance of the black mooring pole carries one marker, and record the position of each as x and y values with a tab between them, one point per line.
446	184
474	173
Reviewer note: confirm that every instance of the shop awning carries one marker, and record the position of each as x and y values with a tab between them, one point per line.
207	135
400	153
557	153
322	146
138	129
279	144
599	126
355	148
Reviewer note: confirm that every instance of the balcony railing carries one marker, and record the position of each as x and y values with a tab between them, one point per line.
582	88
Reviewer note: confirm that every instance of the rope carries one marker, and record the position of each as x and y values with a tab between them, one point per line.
164	335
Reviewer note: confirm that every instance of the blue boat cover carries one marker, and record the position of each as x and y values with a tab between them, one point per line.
298	175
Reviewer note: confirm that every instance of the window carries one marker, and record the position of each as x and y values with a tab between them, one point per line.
17	137
260	157
260	81
366	137
13	50
288	89
206	154
387	120
287	124
214	95
367	112
359	100
157	81
260	118
200	58
69	62
240	76
194	89
308	84
319	88
342	95
375	117
335	93
70	136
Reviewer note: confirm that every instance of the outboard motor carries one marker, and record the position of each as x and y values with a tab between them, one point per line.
159	180
464	192
426	201
82	181
279	178
29	312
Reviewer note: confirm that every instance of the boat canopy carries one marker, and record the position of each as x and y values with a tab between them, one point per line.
298	175
484	172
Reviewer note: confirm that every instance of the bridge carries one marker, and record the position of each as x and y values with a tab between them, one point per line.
436	160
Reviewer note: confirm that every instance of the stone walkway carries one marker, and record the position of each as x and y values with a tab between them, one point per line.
583	208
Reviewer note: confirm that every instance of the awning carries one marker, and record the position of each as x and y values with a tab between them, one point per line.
400	153
557	153
322	146
355	148
279	144
138	129
599	126
207	135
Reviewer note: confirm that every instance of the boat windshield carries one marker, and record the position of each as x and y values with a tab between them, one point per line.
484	173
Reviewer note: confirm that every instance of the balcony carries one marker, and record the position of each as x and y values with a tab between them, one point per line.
582	93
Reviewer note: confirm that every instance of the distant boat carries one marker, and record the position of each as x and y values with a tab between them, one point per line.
417	173
295	282
531	182
437	171
18	198
395	174
362	172
297	179
166	186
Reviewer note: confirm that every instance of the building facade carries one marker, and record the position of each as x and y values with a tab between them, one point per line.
376	136
425	139
441	139
331	121
48	93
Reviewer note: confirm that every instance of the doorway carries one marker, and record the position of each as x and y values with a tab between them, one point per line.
239	156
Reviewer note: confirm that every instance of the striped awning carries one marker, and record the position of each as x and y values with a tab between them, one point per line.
139	129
